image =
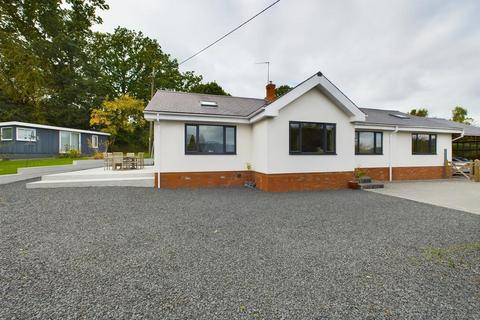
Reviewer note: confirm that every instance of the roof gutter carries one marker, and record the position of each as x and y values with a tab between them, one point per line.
460	137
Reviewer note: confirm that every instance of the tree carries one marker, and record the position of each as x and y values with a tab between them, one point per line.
209	88
460	114
126	60
421	112
118	117
281	90
43	65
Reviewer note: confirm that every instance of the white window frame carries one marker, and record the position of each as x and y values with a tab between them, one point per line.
2	135
29	140
94	141
70	142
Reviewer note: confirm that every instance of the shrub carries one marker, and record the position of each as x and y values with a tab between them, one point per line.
98	155
359	173
71	154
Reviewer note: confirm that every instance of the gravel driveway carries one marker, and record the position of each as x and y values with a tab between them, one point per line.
130	253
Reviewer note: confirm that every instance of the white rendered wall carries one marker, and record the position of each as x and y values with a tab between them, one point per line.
403	157
375	161
402	152
173	158
259	146
313	106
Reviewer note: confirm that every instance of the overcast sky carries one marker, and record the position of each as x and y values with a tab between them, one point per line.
383	54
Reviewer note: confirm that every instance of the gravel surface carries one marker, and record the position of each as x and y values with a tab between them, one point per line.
133	253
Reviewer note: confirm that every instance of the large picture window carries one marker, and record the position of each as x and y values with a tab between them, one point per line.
6	134
424	143
69	141
210	139
312	138
26	134
368	142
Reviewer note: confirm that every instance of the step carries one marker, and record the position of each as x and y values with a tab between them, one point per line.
365	186
111	182
95	176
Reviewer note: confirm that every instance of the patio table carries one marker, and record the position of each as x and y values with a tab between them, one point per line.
130	162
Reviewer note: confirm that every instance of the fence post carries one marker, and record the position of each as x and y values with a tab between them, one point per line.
445	164
476	171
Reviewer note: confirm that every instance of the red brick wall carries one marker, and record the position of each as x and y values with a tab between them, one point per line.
302	181
420	173
407	173
381	174
291	181
173	180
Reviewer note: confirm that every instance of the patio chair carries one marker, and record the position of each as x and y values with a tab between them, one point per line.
117	160
107	160
140	160
129	161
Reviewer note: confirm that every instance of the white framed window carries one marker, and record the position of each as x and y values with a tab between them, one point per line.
26	134
6	134
69	141
94	142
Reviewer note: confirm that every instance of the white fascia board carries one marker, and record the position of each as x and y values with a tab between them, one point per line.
42	126
157	116
373	127
340	99
426	129
383	127
326	87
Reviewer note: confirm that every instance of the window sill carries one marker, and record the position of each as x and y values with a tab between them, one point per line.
424	154
311	154
209	154
369	154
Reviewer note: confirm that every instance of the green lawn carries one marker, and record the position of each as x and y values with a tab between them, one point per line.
11	166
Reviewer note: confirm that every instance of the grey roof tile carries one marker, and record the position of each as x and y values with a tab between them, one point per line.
385	117
189	103
181	102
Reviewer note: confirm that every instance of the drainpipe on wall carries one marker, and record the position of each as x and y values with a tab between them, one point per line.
390	170
156	148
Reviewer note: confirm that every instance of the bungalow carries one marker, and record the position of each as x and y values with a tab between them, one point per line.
29	140
313	137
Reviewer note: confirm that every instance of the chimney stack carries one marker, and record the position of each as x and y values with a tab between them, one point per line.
271	95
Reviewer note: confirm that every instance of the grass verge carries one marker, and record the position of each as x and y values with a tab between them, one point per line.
11	166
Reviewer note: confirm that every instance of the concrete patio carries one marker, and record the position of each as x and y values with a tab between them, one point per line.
455	193
98	177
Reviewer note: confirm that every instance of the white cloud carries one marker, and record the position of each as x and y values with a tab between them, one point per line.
391	54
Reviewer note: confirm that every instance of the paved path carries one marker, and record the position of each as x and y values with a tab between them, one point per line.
131	253
36	172
457	193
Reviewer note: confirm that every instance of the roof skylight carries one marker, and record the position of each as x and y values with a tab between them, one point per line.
208	104
399	115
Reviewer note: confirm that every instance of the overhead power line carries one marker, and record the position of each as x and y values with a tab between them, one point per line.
228	33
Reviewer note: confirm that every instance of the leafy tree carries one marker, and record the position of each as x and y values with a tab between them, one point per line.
460	114
121	116
422	112
43	65
126	60
209	88
281	90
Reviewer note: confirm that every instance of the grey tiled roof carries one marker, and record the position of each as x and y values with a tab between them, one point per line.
181	102
387	117
189	103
